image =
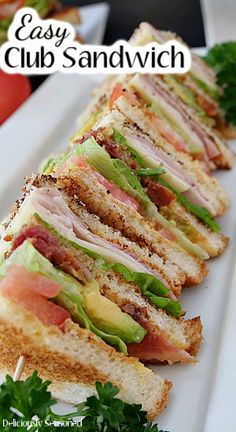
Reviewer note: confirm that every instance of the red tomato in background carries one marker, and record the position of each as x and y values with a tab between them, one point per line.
14	90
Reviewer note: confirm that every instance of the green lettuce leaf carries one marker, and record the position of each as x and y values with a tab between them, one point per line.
71	294
200	212
113	170
156	172
137	189
149	285
204	86
122	141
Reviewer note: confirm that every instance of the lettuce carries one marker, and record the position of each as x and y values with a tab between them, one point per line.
71	296
113	170
122	141
200	212
149	285
156	172
137	189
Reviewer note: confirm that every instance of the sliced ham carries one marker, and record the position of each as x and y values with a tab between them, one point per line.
156	346
50	205
210	146
32	291
169	134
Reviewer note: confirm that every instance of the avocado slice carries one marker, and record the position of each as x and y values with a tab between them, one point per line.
108	317
117	329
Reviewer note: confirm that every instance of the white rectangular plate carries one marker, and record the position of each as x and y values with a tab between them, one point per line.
203	395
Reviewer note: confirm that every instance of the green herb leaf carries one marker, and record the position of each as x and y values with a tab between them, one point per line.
30	398
31	401
222	58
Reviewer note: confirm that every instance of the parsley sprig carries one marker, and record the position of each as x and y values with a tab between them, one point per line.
222	58
31	402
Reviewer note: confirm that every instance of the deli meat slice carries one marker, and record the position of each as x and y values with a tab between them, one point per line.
156	346
210	146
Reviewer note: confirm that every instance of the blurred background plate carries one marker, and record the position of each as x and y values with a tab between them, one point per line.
93	22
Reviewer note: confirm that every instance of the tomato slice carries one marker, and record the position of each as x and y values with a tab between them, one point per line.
118	193
120	91
32	291
14	90
115	191
168	134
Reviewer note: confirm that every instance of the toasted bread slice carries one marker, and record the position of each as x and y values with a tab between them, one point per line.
131	224
217	198
167	338
213	243
74	360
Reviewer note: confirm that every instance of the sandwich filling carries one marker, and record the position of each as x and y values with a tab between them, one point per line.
54	279
48	207
54	296
115	166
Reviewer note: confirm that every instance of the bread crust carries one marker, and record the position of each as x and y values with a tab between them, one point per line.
58	356
194	333
119	216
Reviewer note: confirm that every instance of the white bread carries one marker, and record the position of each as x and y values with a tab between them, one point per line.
183	337
213	243
217	197
129	222
145	33
226	158
74	359
169	271
173	275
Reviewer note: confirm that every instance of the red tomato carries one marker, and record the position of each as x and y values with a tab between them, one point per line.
118	193
31	290
120	91
14	90
9	8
